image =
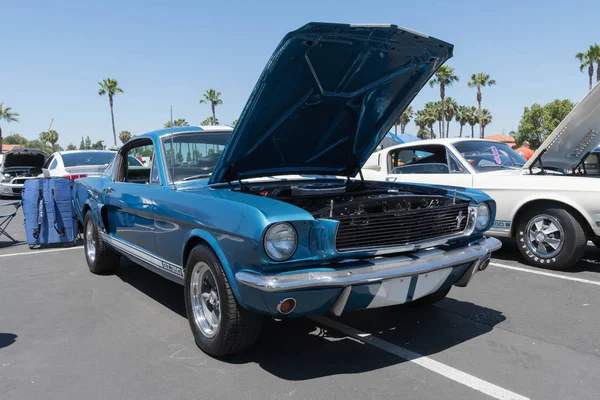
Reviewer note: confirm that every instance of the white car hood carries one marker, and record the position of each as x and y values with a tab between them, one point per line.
576	136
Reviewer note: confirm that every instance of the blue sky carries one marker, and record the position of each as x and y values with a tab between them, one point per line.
169	52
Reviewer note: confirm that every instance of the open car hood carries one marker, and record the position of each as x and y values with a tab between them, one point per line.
326	98
576	136
24	157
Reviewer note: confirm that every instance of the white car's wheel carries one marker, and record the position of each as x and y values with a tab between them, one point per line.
550	237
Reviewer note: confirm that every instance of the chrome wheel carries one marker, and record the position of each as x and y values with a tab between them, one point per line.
544	236
205	300
90	243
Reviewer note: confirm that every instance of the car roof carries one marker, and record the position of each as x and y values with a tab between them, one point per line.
186	129
444	141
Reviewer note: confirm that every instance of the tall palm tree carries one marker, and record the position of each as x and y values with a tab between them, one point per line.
49	137
405	118
485	119
450	110
7	115
472	118
444	76
595	49
586	59
480	80
462	117
214	98
111	88
422	120
124	136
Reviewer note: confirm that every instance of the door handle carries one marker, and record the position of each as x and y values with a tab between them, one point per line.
107	189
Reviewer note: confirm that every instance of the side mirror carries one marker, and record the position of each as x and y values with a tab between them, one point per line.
45	173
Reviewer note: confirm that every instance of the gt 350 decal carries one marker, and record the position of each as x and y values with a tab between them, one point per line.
501	224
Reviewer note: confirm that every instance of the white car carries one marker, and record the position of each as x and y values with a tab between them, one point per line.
75	164
19	165
549	204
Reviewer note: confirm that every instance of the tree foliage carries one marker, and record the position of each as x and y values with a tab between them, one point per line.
71	146
177	122
539	121
124	136
16	139
210	121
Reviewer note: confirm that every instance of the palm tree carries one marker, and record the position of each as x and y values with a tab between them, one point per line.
485	119
110	87
444	77
210	121
7	115
214	98
480	80
234	123
462	117
124	136
405	118
595	49
177	122
450	110
49	137
587	60
472	119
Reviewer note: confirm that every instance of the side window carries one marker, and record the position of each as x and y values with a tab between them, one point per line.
455	167
422	160
154	176
111	167
53	164
48	161
133	163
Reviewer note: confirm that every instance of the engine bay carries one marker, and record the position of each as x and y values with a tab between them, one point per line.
334	201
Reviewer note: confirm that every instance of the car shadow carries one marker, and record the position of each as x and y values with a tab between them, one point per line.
590	262
6	339
298	349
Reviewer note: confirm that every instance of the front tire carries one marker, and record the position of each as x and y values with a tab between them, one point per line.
219	324
100	259
550	237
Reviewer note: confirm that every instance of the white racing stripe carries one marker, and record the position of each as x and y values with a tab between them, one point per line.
445	370
34	252
549	274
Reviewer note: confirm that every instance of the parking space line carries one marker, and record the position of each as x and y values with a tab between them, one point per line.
543	273
442	369
29	253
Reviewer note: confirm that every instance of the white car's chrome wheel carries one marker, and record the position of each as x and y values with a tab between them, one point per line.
545	236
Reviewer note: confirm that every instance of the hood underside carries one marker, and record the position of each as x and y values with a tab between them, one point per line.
327	97
24	158
576	136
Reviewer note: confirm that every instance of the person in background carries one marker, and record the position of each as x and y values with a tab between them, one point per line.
524	150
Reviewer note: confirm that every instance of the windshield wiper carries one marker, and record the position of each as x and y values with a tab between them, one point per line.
192	177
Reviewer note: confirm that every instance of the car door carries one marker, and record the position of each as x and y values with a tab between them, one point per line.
129	199
427	163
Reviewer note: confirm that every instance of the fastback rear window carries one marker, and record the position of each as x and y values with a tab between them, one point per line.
87	158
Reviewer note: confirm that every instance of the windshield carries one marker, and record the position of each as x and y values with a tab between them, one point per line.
87	158
196	154
488	155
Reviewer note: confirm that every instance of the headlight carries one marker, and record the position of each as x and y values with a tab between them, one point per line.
483	216
280	241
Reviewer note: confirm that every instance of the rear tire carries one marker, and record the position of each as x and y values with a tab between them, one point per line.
219	324
100	259
550	237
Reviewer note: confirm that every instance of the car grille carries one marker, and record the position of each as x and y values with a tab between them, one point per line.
399	228
17	190
18	181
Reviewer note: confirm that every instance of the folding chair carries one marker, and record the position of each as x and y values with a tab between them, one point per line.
5	218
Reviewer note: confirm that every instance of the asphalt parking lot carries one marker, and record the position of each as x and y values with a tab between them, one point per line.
515	332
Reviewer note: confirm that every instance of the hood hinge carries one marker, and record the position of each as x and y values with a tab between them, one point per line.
539	161
232	175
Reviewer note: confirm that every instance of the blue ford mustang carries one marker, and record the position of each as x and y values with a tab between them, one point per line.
266	220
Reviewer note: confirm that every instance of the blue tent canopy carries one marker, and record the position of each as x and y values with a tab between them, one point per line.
392	139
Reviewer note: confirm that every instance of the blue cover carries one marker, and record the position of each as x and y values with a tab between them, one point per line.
48	210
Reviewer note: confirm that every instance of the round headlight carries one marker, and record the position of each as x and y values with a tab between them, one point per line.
280	241
483	216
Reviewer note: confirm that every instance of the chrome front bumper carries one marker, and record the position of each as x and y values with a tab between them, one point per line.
373	270
6	189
